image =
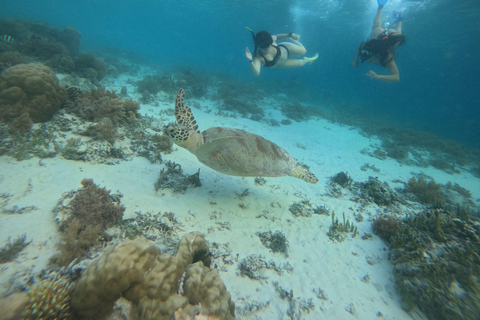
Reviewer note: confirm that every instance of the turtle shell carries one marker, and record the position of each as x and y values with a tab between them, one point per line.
240	153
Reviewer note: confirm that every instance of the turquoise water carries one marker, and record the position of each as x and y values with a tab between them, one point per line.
439	68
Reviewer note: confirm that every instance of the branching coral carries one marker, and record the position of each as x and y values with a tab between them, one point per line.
386	227
174	178
91	211
437	264
105	108
277	241
428	192
137	271
30	89
342	179
377	191
337	230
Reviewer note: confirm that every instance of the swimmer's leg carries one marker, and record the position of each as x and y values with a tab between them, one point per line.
295	63
377	21
399	15
399	27
295	48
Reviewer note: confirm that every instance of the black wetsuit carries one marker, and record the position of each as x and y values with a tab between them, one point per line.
275	59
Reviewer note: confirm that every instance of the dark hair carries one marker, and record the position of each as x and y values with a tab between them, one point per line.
384	46
263	39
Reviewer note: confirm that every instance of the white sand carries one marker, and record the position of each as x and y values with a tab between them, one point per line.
317	261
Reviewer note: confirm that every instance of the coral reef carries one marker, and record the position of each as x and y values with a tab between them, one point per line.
296	306
436	254
152	84
386	227
174	178
106	109
98	104
244	108
396	152
91	67
162	143
21	146
342	179
29	92
89	213
338	230
277	241
137	271
11	250
299	112
303	208
37	41
377	191
49	299
194	81
428	192
254	267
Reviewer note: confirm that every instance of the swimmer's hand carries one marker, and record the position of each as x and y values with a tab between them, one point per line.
372	75
355	63
248	55
295	36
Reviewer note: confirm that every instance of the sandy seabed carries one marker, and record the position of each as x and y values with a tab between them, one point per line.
352	279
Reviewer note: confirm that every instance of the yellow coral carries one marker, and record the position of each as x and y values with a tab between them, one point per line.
49	299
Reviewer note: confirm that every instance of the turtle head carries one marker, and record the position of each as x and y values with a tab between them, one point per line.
183	136
304	173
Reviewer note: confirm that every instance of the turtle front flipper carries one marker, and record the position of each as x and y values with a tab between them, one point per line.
184	114
304	173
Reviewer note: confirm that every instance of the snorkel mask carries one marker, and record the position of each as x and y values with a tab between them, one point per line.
365	54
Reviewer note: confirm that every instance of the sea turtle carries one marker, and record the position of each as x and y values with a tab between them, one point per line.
232	151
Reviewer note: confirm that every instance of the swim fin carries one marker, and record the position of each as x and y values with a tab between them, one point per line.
381	3
310	60
399	15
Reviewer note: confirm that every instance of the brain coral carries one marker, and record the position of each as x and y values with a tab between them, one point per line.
30	89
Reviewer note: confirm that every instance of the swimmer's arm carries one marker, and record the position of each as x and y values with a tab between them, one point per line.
394	75
284	36
355	61
255	66
255	63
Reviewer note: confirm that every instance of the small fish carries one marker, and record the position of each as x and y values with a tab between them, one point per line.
8	39
171	77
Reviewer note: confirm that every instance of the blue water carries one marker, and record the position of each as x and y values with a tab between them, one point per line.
439	67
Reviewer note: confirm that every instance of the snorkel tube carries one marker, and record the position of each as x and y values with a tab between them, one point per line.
254	42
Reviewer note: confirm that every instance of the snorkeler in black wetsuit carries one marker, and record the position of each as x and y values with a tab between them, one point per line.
268	54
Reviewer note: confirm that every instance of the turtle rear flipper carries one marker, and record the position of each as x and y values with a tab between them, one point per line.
184	114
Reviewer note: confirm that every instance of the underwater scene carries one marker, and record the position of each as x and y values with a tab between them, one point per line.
241	159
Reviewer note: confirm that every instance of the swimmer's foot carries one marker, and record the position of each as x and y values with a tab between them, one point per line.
381	3
310	60
399	15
